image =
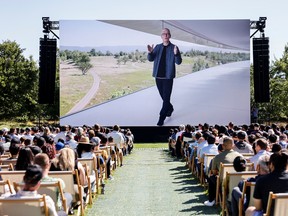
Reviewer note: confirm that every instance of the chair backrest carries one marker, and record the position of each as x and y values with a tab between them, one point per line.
52	189
23	206
207	160
8	167
280	204
187	139
8	161
13	176
250	185
247	155
91	162
67	177
233	179
228	167
6	186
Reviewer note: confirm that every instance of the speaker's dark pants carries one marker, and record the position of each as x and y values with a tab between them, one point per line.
165	89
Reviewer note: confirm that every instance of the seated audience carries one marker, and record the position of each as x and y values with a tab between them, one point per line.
261	147
227	156
276	181
42	160
32	178
262	169
24	159
66	161
241	145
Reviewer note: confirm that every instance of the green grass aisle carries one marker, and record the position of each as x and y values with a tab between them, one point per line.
152	183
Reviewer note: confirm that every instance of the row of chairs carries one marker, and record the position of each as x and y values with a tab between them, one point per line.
227	179
90	165
12	180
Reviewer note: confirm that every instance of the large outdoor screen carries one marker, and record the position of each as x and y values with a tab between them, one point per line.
106	78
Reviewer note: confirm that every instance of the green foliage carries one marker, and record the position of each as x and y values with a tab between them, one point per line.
18	82
123	92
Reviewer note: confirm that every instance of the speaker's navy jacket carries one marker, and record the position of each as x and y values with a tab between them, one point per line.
171	59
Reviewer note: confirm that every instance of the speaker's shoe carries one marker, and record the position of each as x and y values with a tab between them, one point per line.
169	113
161	121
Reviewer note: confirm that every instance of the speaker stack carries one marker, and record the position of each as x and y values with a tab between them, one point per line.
47	63
261	69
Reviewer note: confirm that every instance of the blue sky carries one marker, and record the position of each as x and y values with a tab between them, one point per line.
21	20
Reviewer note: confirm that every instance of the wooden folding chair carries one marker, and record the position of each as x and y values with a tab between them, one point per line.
8	161
23	206
52	189
93	172
113	156
280	204
184	149
7	167
224	168
6	186
246	185
12	176
103	171
68	178
247	155
205	162
232	180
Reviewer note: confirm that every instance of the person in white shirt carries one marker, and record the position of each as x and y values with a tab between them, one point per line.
118	140
261	146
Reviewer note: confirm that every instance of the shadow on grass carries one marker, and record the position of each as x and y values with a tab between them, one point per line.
188	184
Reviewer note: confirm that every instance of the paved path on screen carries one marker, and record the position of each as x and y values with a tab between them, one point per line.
152	183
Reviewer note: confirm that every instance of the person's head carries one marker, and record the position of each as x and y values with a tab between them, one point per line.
35	149
14	149
227	143
91	133
261	144
116	128
104	140
276	147
278	161
40	142
241	135
42	160
262	167
165	35
97	127
251	138
25	158
272	138
32	178
181	127
66	159
211	139
239	164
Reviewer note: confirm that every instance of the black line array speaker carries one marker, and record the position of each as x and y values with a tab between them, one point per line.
261	69
47	64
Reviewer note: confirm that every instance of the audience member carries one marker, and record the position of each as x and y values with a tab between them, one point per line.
227	156
276	181
25	158
242	146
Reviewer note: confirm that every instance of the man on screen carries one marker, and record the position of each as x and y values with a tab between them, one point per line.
164	55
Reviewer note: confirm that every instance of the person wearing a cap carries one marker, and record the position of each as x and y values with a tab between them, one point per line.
32	179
